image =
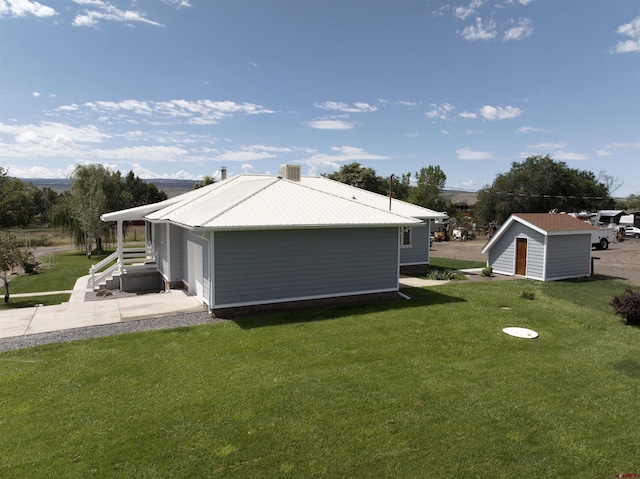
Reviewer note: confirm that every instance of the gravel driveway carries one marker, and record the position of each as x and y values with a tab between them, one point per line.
621	260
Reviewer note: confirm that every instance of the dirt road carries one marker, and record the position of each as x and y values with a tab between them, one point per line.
621	260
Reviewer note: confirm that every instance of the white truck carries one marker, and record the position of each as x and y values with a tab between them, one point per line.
601	238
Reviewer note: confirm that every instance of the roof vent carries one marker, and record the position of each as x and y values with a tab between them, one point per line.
290	172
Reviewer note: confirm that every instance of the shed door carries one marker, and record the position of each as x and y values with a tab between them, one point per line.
521	256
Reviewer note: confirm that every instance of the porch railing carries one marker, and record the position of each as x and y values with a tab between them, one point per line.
130	257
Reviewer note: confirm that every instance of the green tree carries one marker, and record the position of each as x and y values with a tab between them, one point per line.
11	256
539	185
45	200
89	201
630	203
401	186
207	180
355	174
137	192
428	191
17	205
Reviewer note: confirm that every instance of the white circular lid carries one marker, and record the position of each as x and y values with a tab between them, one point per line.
521	332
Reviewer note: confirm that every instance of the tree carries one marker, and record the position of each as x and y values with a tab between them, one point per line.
11	256
401	186
89	201
137	192
429	184
355	174
17	205
539	185
207	180
630	203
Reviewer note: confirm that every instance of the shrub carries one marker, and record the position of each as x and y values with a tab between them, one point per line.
527	294
488	271
443	275
627	305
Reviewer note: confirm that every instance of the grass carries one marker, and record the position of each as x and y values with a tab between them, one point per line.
60	275
450	263
429	387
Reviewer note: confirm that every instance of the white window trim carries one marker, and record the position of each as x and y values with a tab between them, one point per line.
403	230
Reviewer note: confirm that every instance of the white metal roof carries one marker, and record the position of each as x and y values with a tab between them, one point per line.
369	198
269	202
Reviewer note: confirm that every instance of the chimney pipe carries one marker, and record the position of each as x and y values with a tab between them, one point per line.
223	173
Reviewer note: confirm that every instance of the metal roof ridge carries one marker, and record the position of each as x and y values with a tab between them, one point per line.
350	199
245	198
356	188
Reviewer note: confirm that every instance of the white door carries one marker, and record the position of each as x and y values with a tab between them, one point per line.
194	269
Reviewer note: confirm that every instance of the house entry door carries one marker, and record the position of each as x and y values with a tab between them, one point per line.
521	256
194	268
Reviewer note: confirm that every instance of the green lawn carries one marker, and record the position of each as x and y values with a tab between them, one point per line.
58	275
429	387
450	263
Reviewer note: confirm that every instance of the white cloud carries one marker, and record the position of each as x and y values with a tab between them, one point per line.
36	94
522	29
603	153
466	114
49	131
440	111
491	113
178	3
480	31
528	129
22	8
344	154
330	124
565	155
547	146
146	153
461	13
632	30
357	107
469	154
200	112
101	10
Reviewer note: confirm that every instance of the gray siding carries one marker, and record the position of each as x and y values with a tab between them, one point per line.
418	252
535	254
256	267
502	254
568	256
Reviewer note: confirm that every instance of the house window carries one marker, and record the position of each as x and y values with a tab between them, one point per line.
405	237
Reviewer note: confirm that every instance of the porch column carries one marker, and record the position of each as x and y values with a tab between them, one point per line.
120	245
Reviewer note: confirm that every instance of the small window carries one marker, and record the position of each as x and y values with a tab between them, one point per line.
405	237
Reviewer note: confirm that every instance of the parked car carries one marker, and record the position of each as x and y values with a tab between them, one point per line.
632	231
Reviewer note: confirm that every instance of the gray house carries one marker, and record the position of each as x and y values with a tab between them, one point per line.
259	239
541	246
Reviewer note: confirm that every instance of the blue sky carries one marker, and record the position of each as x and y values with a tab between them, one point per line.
180	88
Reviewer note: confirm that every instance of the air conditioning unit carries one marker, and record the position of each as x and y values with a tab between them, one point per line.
290	172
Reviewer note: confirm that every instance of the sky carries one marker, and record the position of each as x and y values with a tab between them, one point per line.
180	88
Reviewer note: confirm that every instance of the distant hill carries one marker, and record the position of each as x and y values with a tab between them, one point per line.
170	187
461	196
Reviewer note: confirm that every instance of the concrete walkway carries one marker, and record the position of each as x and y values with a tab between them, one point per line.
77	313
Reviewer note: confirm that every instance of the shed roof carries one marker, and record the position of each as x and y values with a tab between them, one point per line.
548	224
269	202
